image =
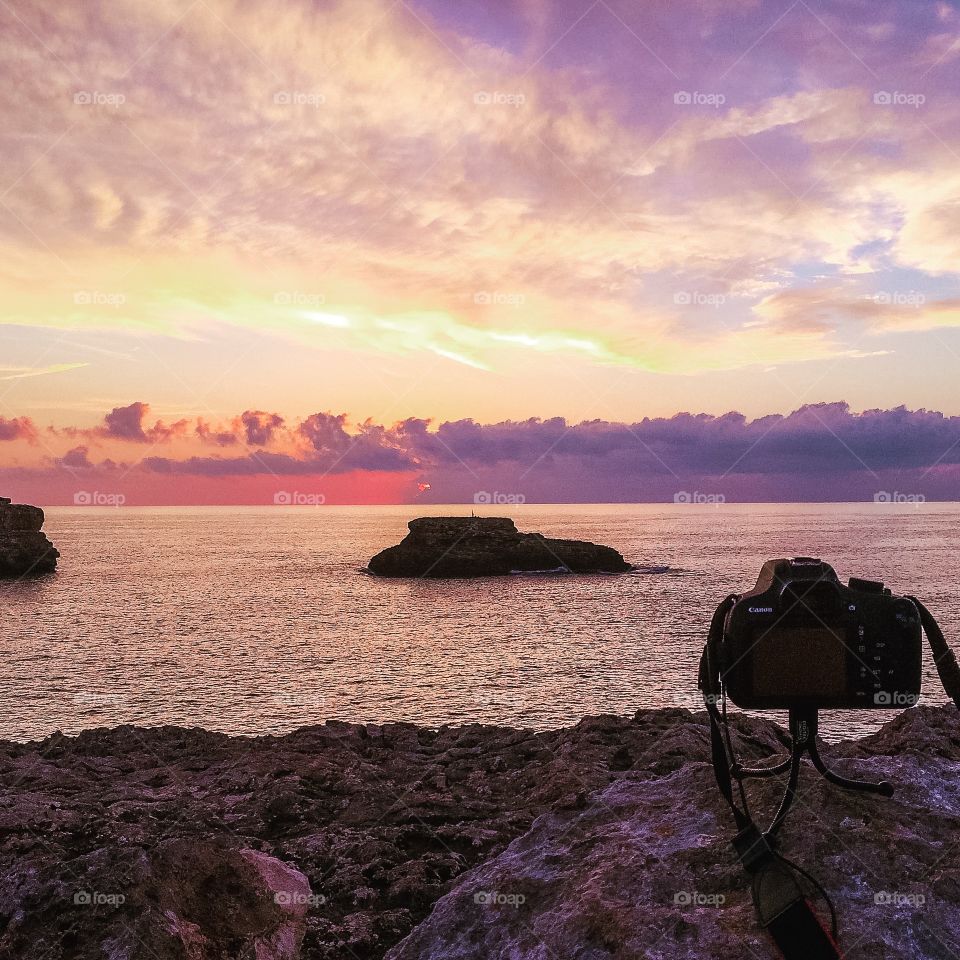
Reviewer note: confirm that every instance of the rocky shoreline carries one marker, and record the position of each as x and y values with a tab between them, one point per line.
24	548
603	840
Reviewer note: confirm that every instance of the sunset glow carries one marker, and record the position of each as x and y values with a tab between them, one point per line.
445	212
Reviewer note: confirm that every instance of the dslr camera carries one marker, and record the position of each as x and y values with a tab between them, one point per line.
802	639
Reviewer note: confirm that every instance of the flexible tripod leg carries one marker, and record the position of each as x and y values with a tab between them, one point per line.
884	788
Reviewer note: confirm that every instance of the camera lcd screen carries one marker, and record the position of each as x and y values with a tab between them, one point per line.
799	661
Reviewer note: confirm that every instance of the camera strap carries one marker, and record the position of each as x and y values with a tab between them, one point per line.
781	906
943	657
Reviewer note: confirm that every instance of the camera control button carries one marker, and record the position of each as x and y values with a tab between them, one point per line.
866	586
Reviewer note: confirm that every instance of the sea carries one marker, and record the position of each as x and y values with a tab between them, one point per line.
255	620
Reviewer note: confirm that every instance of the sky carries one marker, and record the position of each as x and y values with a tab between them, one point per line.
327	252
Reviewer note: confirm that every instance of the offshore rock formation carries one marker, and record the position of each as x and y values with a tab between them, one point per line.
487	547
603	841
24	549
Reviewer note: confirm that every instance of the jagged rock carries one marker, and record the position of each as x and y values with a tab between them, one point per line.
185	899
24	549
646	869
487	546
389	831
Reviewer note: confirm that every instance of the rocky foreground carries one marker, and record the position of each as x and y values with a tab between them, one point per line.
604	840
24	548
487	547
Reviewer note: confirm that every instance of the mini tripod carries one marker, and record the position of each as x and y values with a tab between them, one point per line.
803	738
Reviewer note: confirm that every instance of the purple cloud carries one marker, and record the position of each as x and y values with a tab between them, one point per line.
19	428
820	451
217	437
127	423
260	426
76	459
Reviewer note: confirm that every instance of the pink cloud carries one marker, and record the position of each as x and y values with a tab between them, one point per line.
19	428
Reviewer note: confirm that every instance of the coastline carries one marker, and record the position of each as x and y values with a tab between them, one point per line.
342	840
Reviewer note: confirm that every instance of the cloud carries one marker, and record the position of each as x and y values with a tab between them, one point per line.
127	423
819	451
472	197
253	464
20	373
815	441
220	437
822	308
19	428
817	438
260	427
76	459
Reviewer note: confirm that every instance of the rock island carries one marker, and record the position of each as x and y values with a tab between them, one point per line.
488	547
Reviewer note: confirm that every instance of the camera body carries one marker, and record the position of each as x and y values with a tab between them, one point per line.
801	638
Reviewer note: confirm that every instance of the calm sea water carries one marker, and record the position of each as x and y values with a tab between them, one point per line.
255	620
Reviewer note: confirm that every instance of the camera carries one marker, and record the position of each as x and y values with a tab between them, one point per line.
802	639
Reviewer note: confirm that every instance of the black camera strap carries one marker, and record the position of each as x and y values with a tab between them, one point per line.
943	657
783	909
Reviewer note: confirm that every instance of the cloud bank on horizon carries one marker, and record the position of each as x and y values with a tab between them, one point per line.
661	189
818	452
